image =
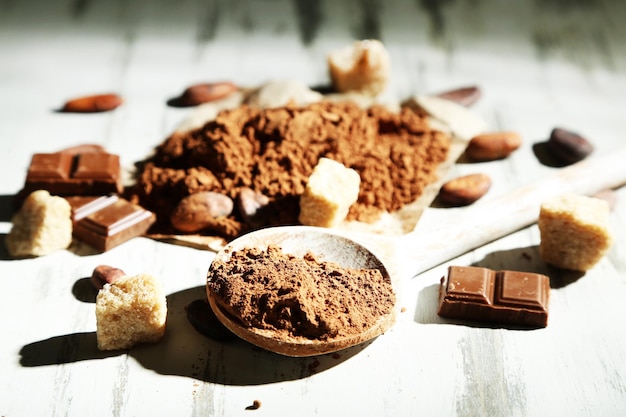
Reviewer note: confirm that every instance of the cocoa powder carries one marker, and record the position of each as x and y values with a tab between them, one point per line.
273	152
299	297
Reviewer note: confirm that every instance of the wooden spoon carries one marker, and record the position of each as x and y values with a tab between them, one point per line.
297	241
402	257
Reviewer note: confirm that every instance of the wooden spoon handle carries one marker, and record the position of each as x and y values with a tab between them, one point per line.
432	244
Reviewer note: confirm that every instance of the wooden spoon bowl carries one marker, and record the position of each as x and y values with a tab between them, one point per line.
297	241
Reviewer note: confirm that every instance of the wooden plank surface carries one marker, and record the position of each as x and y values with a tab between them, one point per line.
539	64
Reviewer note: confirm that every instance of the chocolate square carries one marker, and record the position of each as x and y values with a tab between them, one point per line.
65	174
483	295
107	222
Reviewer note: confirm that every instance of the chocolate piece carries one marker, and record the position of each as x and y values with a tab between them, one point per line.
508	297
64	173
106	222
200	210
252	206
84	148
82	206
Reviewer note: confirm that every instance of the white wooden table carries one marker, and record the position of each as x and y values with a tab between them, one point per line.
540	65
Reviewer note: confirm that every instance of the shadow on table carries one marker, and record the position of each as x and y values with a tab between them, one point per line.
545	156
77	248
4	253
185	352
525	259
7	207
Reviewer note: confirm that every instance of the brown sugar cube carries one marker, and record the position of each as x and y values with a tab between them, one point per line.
362	67
130	311
42	225
330	191
574	231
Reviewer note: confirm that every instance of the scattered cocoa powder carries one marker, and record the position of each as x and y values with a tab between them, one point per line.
273	152
256	404
299	297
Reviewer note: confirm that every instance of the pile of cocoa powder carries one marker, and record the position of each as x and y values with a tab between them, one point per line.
273	152
299	297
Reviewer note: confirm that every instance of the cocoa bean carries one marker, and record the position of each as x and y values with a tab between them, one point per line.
200	210
105	274
206	92
569	147
92	104
492	146
250	204
464	190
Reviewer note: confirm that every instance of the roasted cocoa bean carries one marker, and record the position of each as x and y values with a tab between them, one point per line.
464	190
206	92
105	274
492	146
93	104
200	210
250	204
568	147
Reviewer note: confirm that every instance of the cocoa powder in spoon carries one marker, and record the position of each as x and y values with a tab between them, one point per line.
299	297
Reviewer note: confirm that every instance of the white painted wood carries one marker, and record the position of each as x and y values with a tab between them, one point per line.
435	242
539	64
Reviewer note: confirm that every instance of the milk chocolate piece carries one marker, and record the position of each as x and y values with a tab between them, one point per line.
64	173
108	221
484	295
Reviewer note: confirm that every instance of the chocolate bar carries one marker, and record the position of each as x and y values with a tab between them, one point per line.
484	295
108	221
64	173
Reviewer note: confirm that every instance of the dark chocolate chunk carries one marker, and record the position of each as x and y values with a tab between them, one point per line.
484	295
64	173
107	222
